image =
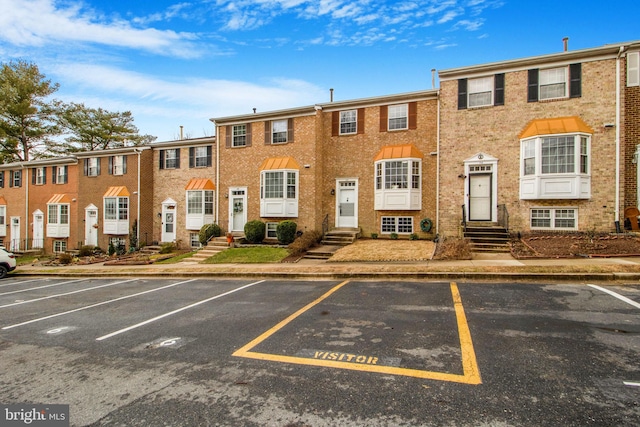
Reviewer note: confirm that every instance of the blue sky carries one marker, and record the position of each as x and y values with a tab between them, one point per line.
174	63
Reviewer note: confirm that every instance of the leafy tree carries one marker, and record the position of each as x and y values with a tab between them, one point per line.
97	129
26	116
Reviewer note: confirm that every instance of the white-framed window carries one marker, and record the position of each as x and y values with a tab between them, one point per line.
15	178
396	224
61	174
239	137
201	157
271	230
553	83
194	240
118	242
93	166
279	193
40	176
171	158
562	154
200	202
398	184
480	92
633	69
59	246
556	167
554	218
279	130
348	122
58	214
398	117
116	208
119	165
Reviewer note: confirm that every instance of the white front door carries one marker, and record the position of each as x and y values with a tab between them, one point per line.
38	230
480	197
168	222
347	203
237	209
91	226
15	233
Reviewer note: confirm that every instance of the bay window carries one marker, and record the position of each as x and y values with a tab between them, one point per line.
279	193
555	167
58	220
398	184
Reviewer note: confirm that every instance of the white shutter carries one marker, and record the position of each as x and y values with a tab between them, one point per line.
633	69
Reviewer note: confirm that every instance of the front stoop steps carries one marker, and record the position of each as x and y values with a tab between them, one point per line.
215	245
332	241
487	237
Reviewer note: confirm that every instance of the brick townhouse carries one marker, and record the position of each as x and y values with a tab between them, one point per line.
184	189
115	196
366	163
38	205
544	141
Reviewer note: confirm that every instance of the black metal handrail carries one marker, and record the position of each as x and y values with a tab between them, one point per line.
464	218
325	225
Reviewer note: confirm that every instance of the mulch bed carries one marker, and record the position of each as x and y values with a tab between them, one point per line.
572	245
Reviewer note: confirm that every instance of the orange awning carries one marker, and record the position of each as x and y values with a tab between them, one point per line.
2	200
120	191
200	184
273	163
59	198
405	151
558	125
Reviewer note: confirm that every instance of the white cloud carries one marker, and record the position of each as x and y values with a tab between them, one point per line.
40	22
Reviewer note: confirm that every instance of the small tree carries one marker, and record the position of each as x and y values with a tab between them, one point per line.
286	232
133	236
255	231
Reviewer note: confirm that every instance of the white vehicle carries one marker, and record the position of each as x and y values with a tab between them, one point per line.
7	262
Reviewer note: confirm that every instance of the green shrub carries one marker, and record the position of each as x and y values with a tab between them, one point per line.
65	258
86	250
112	249
167	248
255	231
413	236
208	231
393	236
286	232
374	235
305	242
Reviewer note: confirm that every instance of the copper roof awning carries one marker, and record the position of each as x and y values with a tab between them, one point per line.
120	191
200	184
558	125
57	198
405	151
274	163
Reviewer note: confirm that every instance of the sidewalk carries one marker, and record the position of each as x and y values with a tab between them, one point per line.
481	267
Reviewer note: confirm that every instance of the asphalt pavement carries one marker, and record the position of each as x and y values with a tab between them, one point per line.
483	266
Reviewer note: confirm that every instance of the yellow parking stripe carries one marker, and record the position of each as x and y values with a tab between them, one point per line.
471	372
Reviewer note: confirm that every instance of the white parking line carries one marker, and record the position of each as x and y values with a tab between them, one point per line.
19	283
613	294
42	287
162	316
631	384
66	293
96	305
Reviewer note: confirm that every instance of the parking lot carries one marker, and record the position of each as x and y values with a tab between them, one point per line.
140	351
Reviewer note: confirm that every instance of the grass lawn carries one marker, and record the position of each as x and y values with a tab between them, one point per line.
248	256
175	259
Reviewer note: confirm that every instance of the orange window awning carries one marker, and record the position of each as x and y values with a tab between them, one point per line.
200	184
3	201
399	152
58	198
119	191
274	163
553	126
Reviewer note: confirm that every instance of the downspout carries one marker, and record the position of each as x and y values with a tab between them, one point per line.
617	210
217	219
438	167
138	214
25	179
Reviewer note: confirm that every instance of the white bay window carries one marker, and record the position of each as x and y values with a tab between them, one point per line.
398	184
279	193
